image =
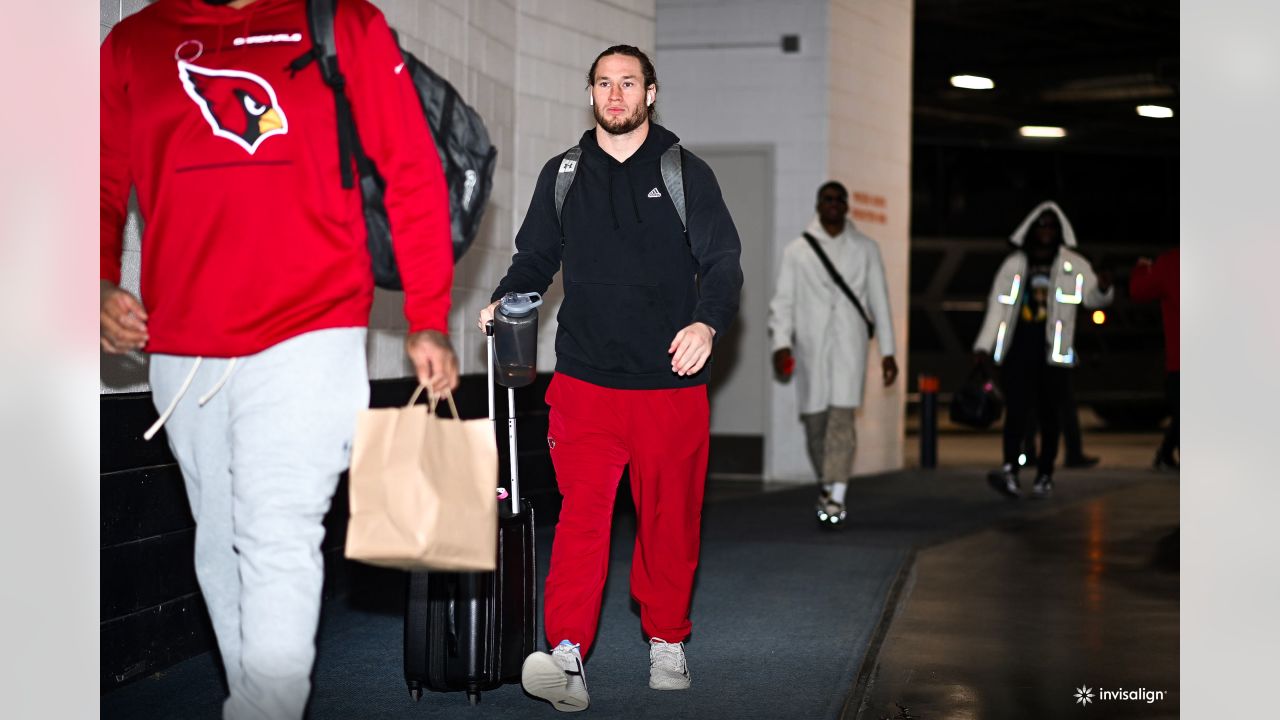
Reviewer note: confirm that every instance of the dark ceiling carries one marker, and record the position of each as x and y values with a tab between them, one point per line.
1081	64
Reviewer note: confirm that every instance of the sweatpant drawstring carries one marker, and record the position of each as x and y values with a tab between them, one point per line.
186	384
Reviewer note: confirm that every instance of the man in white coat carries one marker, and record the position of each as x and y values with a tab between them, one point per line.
822	330
1029	331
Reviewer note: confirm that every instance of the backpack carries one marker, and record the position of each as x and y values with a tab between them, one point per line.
466	155
671	164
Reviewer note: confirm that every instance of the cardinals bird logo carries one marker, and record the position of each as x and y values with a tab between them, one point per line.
238	105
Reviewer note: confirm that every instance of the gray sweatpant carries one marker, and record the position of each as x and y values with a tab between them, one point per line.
831	438
261	460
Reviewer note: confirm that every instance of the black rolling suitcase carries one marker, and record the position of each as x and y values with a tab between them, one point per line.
471	632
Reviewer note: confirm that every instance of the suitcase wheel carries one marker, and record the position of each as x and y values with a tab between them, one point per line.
415	691
473	697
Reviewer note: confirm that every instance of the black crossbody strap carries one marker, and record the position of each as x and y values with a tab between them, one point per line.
844	286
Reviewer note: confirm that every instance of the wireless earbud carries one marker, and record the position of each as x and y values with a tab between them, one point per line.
591	100
650	98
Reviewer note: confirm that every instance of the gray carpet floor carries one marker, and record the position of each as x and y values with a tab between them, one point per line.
783	613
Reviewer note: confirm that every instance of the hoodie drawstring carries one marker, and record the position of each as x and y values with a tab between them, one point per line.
613	213
186	384
631	192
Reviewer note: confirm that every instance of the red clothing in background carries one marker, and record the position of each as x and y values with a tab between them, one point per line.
1159	281
249	238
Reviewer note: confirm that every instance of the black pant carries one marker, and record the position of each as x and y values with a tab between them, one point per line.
1171	396
1070	424
1032	387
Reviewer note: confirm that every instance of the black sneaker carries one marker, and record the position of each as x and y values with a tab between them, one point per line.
1084	461
1043	487
1005	482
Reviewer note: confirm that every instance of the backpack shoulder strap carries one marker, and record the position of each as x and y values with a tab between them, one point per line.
324	52
672	166
320	15
564	178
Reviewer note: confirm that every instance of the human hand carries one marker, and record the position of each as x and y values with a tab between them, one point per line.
122	321
486	315
889	367
433	360
690	348
784	363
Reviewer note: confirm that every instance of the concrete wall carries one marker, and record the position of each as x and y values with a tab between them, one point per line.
869	149
837	109
522	65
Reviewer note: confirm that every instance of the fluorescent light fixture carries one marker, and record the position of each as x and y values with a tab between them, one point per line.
1041	131
972	82
1155	111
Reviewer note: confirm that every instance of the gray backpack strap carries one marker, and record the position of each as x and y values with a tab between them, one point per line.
673	177
564	178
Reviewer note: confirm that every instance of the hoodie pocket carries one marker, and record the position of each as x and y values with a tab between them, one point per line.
617	328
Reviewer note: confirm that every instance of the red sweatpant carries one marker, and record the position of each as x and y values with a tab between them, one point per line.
594	433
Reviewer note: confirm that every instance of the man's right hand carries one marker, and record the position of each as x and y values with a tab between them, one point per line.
783	364
486	315
122	319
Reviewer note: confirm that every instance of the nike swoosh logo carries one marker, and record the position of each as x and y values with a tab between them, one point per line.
399	68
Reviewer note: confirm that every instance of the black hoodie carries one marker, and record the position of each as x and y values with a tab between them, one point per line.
631	278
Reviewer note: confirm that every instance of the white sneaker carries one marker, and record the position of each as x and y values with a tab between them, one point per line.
557	677
667	667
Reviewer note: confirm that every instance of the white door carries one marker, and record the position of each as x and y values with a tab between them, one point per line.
740	375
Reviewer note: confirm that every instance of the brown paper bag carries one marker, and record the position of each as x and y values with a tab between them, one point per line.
423	490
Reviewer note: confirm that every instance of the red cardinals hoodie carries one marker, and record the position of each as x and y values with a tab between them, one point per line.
249	238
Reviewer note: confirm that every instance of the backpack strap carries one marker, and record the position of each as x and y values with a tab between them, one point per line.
672	166
324	51
564	179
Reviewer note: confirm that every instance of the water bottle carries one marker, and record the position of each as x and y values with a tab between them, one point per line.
515	338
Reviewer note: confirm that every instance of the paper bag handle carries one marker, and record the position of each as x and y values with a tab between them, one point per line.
433	399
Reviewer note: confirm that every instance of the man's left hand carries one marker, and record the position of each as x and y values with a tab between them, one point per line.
890	368
691	348
433	360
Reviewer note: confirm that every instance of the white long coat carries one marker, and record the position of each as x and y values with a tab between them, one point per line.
810	315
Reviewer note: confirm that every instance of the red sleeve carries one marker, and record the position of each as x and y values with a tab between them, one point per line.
394	133
1144	285
114	160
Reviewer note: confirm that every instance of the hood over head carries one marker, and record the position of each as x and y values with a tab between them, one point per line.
1019	236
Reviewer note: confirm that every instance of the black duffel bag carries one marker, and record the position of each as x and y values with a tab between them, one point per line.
978	403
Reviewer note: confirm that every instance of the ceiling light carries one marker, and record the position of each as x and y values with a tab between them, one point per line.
972	82
1041	131
1155	111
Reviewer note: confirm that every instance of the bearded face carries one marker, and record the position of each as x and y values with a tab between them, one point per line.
619	98
620	124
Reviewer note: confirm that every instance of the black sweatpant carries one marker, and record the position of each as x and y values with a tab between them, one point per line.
1032	388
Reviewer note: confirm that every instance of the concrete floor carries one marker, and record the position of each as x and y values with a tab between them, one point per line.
1013	621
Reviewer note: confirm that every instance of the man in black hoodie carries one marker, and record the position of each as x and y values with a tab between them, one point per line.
644	296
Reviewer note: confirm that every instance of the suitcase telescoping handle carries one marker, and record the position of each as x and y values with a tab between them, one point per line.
511	424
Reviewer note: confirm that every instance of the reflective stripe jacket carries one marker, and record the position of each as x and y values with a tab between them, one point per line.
1072	284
